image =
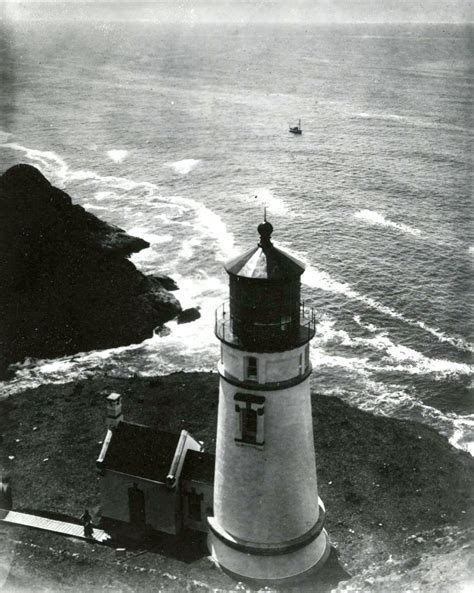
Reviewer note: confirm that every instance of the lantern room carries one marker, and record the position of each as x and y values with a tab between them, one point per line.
264	312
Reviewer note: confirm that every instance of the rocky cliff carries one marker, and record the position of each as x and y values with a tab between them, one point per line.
67	284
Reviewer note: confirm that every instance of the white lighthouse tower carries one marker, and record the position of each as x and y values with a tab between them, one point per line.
268	522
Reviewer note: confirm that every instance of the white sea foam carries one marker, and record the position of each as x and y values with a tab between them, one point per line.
396	402
183	167
90	206
397	357
323	281
381	398
117	155
373	217
382	116
105	195
369	326
207	223
265	198
194	342
210	224
148	235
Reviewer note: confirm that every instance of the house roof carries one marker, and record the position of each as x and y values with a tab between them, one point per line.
141	451
198	466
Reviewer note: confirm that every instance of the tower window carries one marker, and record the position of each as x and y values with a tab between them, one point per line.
250	412
251	368
300	364
248	417
306	357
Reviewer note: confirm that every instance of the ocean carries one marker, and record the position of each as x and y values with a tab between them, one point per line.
179	135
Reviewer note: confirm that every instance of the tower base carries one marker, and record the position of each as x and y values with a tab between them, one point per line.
265	566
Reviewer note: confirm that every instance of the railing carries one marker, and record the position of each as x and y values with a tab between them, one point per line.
280	335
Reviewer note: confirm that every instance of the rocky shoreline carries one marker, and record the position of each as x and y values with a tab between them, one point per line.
67	283
398	495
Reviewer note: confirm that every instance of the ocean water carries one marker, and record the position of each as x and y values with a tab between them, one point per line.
179	135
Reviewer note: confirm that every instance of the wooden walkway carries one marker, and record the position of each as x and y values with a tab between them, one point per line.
62	527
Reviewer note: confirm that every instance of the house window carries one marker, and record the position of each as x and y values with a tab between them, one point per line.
251	368
194	505
249	409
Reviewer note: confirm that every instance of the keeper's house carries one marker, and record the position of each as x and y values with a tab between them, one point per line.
152	478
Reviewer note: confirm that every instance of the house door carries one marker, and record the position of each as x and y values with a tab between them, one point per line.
136	505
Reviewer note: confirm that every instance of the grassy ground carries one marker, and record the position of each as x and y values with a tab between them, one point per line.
397	494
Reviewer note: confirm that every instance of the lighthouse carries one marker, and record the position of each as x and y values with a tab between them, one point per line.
268	522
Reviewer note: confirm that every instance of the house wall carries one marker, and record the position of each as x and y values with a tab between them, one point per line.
161	503
205	489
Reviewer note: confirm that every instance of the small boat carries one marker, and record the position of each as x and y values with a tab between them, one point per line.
296	129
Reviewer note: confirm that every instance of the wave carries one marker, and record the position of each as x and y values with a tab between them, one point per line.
117	155
89	206
193	346
362	391
383	116
323	281
205	223
188	347
373	217
395	357
183	167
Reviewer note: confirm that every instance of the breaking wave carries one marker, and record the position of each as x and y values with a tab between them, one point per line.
183	167
383	116
373	217
359	388
188	229
117	155
265	198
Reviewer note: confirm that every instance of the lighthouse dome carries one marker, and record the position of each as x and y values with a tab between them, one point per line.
265	261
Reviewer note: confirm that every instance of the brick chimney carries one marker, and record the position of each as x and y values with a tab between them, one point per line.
114	410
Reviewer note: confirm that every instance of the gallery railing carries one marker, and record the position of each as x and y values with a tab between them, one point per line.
284	333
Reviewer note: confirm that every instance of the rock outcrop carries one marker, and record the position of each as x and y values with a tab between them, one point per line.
66	283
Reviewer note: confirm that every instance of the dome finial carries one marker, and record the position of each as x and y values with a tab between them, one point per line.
265	230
